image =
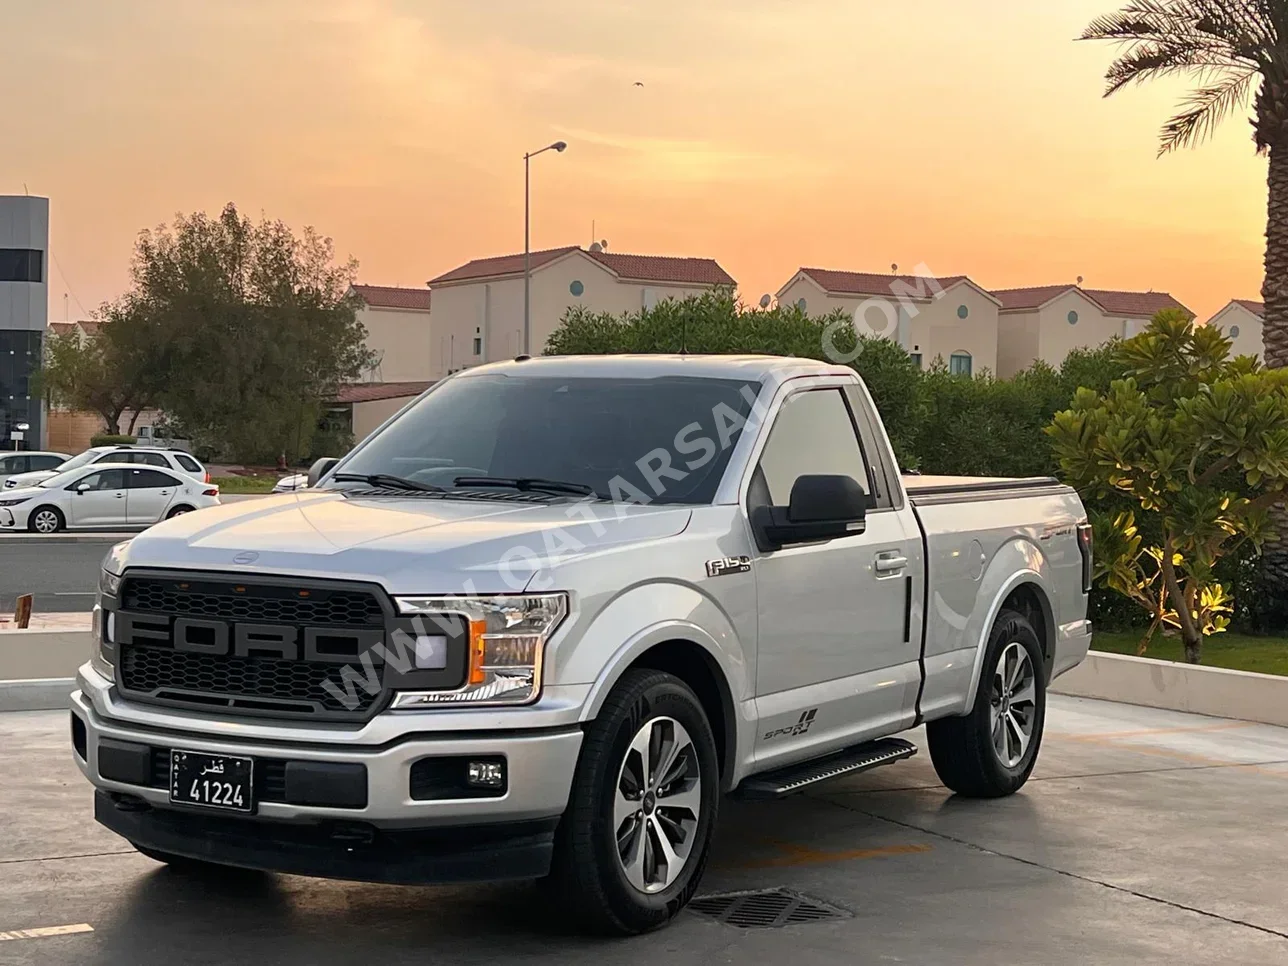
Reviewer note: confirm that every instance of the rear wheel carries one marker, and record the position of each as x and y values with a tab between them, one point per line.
46	519
632	845
991	752
178	511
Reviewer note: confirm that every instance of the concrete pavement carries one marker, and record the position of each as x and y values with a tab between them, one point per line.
1145	837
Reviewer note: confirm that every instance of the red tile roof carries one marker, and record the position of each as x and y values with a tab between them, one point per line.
1142	305
866	283
500	265
62	328
389	297
1139	304
637	268
664	268
90	326
359	392
1256	308
1017	299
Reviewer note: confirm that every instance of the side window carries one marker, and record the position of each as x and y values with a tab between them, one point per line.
150	480
120	456
45	462
879	457
813	434
152	459
188	463
103	480
13	464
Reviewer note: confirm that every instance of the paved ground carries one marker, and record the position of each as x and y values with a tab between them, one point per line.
1145	837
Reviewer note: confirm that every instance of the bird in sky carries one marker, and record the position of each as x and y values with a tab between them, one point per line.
639	83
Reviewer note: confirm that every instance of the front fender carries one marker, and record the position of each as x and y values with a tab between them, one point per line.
629	625
1015	563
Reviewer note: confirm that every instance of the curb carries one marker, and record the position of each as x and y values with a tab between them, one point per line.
1215	691
40	694
89	537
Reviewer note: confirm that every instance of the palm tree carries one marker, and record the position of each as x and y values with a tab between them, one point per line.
1236	51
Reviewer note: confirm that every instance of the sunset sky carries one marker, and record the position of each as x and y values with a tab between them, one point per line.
768	134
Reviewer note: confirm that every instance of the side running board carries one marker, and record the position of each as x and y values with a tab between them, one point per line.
848	761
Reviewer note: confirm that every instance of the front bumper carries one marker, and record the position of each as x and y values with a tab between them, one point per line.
394	833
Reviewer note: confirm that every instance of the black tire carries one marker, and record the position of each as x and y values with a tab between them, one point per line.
588	879
962	749
178	511
195	867
58	515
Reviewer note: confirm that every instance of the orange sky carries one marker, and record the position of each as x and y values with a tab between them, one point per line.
768	134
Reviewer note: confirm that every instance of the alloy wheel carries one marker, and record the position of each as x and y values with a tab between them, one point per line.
656	805
1013	704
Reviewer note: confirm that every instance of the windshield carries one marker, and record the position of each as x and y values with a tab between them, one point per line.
61	478
657	440
77	461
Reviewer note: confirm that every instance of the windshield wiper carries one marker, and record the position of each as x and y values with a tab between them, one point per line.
388	481
527	483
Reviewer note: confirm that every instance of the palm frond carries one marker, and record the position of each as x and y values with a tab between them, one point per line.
1206	108
1143	20
1149	60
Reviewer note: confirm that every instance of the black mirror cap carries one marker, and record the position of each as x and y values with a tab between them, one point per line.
320	468
816	499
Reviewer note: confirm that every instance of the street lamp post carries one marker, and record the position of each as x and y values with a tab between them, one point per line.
527	257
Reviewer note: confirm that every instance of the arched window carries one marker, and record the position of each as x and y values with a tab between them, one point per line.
959	364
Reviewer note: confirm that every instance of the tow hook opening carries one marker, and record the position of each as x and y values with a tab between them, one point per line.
128	803
352	834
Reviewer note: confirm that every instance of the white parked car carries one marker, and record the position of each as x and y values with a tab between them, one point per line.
172	459
289	484
14	464
110	495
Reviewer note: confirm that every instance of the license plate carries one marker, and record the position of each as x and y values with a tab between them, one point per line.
211	781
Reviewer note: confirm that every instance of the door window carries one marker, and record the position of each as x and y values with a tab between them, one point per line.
120	456
103	480
150	480
813	435
13	464
152	459
45	462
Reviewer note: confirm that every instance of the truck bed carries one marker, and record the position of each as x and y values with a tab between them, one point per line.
931	490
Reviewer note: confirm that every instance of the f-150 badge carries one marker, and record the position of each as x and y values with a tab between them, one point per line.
728	565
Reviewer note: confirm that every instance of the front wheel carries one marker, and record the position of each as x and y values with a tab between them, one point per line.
45	519
633	843
991	752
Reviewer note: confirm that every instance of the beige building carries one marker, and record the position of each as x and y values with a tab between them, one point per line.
1241	322
398	332
478	307
1048	322
948	318
365	405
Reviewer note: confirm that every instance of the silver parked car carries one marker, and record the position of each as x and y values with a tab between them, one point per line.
12	464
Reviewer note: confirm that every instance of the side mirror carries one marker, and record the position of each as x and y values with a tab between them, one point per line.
321	468
821	508
82	487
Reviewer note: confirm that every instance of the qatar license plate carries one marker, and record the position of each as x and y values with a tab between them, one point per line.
211	781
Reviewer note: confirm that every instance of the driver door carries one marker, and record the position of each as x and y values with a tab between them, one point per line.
102	504
836	662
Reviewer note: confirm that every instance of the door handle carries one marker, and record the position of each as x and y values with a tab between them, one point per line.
890	563
120	496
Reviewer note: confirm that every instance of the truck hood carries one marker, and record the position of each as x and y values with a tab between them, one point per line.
411	546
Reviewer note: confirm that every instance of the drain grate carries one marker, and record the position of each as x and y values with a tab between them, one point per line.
765	909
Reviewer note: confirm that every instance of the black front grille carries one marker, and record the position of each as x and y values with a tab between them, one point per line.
241	683
213	668
228	600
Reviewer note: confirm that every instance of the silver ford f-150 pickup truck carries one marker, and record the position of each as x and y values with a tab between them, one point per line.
545	618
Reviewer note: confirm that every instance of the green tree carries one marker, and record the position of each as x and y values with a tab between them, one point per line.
109	374
1198	443
1236	53
253	327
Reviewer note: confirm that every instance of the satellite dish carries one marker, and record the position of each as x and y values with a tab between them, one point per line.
603	244
1079	279
596	247
894	268
765	300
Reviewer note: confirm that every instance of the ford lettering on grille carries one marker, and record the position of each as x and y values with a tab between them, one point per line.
285	642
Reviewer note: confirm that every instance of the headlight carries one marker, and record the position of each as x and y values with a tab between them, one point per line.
108	583
15	501
507	640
